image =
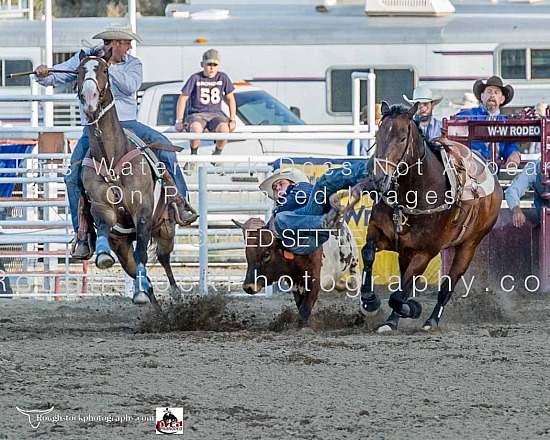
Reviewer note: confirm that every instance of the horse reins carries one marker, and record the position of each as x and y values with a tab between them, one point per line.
396	165
399	210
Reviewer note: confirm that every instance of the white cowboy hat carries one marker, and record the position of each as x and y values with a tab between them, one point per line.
117	34
468	102
423	94
540	108
291	174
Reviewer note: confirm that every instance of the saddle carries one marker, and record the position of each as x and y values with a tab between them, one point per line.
468	173
160	177
146	151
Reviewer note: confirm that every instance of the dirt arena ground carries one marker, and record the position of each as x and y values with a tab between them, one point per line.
484	374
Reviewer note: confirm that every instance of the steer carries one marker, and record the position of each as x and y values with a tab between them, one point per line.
268	262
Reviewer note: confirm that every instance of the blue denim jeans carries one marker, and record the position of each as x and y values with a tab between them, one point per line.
301	230
73	179
332	181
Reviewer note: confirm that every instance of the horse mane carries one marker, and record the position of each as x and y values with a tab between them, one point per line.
97	51
400	109
396	110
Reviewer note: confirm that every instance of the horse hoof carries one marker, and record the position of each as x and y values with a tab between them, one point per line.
370	304
386	327
140	298
430	324
415	308
104	261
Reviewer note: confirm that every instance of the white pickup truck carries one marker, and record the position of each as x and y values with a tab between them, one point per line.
254	107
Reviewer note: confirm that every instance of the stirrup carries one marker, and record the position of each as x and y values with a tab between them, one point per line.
81	249
190	214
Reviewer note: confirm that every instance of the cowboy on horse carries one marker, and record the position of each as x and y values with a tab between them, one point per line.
126	75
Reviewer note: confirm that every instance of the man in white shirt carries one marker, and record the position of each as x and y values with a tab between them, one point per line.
126	76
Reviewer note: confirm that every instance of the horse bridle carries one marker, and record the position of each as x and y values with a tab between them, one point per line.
102	92
395	174
397	211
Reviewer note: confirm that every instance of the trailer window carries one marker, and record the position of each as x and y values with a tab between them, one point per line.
524	63
513	64
61	57
14	66
339	86
540	63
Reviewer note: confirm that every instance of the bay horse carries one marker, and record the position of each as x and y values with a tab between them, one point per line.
126	202
405	167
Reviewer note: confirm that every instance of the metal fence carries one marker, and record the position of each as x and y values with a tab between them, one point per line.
36	227
36	231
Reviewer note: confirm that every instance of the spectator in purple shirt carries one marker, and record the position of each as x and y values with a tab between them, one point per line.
205	91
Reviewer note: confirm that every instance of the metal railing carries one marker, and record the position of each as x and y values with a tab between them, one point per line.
49	210
49	236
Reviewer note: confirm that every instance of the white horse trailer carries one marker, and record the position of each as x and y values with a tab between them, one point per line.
304	55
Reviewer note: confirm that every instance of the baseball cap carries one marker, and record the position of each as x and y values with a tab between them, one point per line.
211	57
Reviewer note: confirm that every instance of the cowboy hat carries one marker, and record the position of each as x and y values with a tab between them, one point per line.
540	109
117	34
423	94
292	174
468	102
495	81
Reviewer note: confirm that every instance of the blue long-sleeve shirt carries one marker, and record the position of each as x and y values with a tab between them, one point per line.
296	196
433	129
125	77
481	114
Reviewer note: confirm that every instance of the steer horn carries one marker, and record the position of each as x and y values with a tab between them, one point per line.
238	224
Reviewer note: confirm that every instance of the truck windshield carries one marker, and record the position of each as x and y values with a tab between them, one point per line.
260	108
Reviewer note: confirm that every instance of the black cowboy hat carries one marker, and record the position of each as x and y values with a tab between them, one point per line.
495	81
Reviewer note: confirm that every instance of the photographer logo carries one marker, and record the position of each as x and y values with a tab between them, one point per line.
34	415
169	421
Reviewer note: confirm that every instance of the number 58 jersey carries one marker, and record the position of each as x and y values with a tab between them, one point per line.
205	94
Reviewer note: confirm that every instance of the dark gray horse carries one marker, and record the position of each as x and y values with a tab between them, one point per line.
127	203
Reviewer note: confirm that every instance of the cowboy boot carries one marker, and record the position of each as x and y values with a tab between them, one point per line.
184	214
82	249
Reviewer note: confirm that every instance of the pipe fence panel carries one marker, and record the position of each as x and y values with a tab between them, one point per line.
36	231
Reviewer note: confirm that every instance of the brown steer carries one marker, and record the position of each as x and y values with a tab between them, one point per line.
269	262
